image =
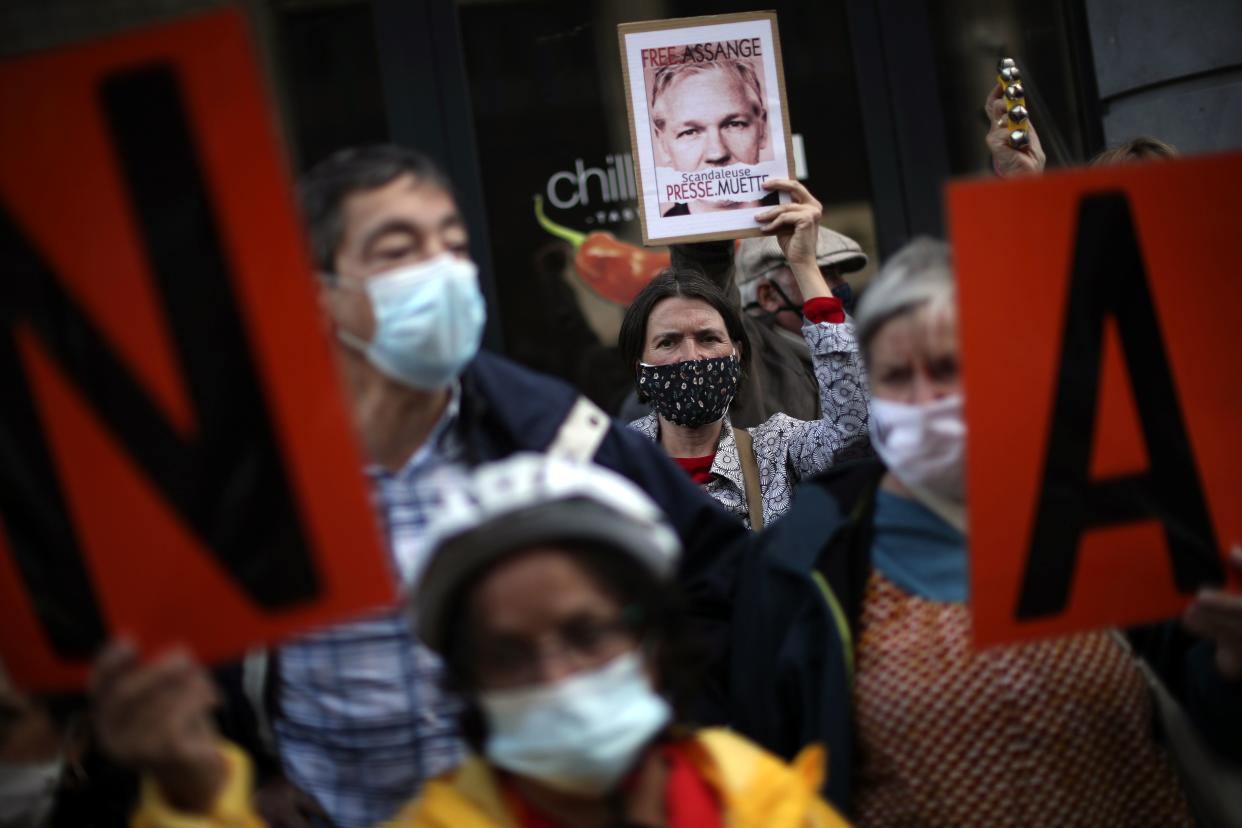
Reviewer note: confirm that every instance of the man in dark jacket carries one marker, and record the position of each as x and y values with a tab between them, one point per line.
358	715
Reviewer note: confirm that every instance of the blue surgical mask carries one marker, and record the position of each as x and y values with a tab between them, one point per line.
428	321
580	735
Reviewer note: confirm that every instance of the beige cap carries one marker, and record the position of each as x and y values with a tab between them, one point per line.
757	256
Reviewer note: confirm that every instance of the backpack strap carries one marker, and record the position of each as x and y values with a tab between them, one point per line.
750	476
581	432
830	530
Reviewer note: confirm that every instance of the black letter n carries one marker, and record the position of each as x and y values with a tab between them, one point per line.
228	482
1109	278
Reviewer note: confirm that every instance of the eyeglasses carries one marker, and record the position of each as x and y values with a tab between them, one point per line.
579	643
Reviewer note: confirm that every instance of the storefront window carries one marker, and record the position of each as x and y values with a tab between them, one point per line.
547	100
548	104
329	75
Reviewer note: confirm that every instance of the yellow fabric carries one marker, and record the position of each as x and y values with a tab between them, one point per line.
758	789
232	809
755	788
469	797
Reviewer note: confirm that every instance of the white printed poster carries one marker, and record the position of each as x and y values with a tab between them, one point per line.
708	123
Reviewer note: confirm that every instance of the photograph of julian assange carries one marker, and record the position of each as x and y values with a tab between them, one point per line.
709	123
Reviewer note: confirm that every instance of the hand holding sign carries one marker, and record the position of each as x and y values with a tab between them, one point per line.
156	719
1218	615
795	225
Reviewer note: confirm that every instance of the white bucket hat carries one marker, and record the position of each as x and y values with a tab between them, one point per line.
530	499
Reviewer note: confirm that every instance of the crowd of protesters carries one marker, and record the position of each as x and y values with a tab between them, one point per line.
747	607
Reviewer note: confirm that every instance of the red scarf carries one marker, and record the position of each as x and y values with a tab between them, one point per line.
699	468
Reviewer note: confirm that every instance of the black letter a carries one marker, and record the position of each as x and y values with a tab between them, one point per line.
1109	278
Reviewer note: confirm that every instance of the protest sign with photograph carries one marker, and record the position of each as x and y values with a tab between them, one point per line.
708	123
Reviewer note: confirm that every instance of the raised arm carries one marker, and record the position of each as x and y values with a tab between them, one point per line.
1008	161
156	719
814	445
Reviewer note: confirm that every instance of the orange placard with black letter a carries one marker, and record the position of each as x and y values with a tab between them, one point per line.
1101	333
177	464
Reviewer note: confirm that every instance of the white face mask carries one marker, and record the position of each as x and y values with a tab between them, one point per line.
28	792
428	321
580	735
922	445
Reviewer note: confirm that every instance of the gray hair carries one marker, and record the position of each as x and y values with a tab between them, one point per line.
918	273
1142	148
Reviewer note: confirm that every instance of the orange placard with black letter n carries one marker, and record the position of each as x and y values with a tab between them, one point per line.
1101	332
177	464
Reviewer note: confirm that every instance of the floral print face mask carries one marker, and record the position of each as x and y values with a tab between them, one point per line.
691	393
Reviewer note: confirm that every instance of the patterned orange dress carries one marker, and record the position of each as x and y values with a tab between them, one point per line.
1054	733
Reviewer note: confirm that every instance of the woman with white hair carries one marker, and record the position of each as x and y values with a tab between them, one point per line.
1049	733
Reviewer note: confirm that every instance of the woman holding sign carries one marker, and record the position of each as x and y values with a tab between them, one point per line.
688	350
926	730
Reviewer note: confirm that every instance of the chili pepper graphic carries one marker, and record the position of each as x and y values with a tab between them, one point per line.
614	269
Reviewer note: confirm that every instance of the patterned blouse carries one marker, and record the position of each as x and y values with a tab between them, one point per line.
788	450
1050	733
